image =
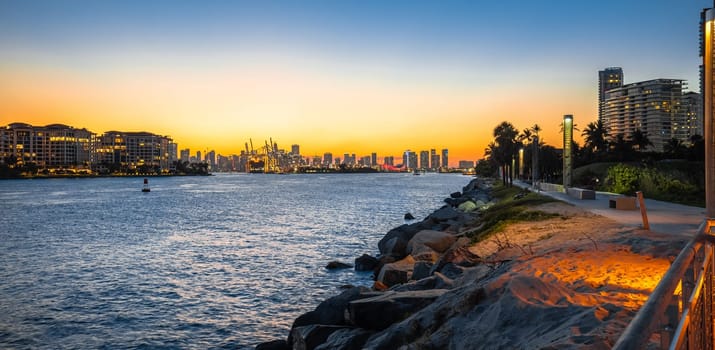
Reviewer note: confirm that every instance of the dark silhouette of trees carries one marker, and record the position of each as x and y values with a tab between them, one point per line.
674	148
504	148
596	139
640	139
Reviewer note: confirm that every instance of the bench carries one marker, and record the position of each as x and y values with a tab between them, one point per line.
622	203
581	193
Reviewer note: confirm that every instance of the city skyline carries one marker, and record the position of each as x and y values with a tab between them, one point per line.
360	77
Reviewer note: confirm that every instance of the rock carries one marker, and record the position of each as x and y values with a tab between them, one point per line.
379	286
395	241
422	269
456	201
365	263
382	311
346	339
467	206
330	312
382	261
409	216
280	344
430	240
337	265
443	324
436	281
397	272
396	246
455	194
310	337
444	214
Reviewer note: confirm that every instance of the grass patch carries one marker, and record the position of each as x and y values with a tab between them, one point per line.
512	206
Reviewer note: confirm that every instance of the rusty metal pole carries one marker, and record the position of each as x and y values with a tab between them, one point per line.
644	214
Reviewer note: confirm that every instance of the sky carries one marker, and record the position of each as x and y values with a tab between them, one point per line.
332	76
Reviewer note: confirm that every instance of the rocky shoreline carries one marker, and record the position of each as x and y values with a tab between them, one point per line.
561	278
418	263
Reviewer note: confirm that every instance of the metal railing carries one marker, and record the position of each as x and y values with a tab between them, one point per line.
679	312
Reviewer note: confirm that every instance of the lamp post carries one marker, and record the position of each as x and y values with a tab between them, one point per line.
521	163
568	142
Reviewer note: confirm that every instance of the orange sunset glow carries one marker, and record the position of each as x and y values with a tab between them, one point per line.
385	85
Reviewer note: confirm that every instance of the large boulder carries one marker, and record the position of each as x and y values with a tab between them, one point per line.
437	241
444	214
310	337
421	269
346	339
382	311
397	272
395	241
329	312
468	206
365	263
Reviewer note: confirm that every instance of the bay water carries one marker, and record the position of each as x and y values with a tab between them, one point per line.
225	261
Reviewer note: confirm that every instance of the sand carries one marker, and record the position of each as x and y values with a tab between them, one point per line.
576	280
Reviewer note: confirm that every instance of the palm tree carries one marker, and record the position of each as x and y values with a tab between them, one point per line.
535	154
622	147
595	137
640	139
674	148
505	142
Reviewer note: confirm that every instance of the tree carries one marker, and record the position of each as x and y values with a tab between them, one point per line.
505	148
640	139
622	148
674	148
696	151
595	138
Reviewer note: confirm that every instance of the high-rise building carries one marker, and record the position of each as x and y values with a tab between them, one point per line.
653	107
295	149
373	158
409	160
327	159
389	160
609	78
445	158
434	159
424	160
211	159
692	106
198	157
185	155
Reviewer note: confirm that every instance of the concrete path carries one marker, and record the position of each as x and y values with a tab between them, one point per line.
663	217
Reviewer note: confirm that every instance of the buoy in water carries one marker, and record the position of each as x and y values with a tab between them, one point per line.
146	186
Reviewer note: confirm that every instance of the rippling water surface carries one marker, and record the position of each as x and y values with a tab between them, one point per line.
226	261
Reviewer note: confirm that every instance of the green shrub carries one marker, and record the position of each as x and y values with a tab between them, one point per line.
622	178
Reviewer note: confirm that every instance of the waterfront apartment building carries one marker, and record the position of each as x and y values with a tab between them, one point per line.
389	160
609	78
653	106
134	151
185	155
54	146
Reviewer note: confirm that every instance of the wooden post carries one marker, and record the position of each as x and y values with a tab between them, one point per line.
644	214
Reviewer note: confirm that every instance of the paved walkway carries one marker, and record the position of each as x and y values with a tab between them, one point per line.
663	217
